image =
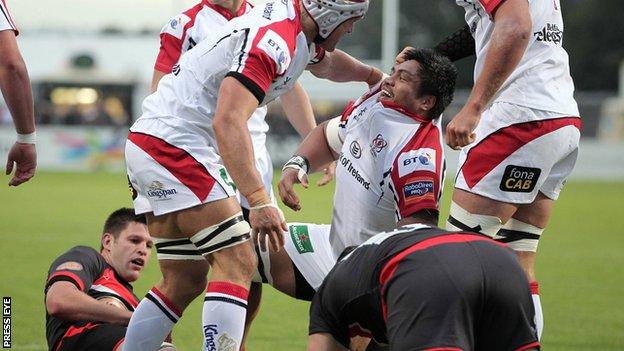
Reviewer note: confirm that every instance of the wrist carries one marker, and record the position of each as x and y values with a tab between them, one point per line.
29	138
258	197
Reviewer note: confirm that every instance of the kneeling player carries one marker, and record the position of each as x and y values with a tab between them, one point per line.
390	169
422	288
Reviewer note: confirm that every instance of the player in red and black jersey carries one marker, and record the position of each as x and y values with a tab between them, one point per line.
88	296
423	288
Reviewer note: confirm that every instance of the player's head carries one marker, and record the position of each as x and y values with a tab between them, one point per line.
424	83
334	18
126	243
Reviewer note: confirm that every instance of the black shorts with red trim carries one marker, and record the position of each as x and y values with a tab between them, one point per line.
92	337
471	296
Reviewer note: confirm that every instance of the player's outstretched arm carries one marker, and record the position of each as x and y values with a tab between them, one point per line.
323	342
235	106
338	66
510	38
63	300
15	86
298	110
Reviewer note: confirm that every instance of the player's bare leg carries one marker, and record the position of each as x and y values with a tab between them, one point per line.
185	278
529	221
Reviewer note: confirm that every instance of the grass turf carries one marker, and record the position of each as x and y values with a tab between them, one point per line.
580	264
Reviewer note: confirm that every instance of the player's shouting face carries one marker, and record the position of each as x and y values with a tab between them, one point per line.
128	251
402	88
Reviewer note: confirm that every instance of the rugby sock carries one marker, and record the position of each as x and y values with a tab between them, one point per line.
539	317
151	322
223	316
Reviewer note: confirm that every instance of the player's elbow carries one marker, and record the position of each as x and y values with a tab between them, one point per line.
517	29
57	306
12	65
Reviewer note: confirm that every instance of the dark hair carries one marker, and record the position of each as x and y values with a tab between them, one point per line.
119	220
437	77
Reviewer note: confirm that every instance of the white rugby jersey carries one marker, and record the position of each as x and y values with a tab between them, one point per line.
264	49
6	21
192	26
391	165
542	78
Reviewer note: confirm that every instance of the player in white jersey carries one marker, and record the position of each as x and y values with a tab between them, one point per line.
194	127
519	129
15	87
182	33
390	168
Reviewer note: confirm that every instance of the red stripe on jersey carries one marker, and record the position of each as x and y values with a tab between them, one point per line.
401	109
180	163
225	12
117	346
69	275
391	266
258	66
491	5
528	346
170	46
167	302
496	147
357	330
419	189
73	331
109	280
352	105
5	11
228	289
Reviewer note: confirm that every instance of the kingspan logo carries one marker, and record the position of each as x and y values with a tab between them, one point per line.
157	190
223	342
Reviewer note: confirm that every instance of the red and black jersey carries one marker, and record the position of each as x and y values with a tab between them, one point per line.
425	288
88	271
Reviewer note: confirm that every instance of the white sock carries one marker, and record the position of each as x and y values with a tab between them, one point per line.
152	320
539	316
223	316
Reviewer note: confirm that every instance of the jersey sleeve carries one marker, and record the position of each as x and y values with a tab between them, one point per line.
323	321
265	54
490	6
79	266
416	171
171	40
6	21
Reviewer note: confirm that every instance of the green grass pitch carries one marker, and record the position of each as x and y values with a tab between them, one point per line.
580	264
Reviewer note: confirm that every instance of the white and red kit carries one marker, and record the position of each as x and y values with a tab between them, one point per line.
6	21
181	34
172	157
527	139
391	166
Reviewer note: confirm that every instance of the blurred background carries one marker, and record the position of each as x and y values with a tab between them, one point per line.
91	62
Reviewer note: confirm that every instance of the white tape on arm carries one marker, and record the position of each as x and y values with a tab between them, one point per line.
332	130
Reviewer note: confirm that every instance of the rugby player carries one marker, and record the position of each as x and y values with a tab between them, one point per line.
193	128
15	87
390	170
88	296
423	288
519	130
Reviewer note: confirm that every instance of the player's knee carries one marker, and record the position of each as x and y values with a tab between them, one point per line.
460	219
187	279
520	236
230	232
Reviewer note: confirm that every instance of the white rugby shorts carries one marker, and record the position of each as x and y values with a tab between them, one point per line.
512	161
176	174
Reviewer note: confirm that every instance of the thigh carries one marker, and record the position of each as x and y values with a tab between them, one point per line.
103	337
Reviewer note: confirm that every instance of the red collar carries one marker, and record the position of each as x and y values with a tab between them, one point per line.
399	108
225	12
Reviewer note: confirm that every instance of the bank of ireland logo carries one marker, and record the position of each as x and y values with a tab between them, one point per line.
355	149
301	238
158	191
